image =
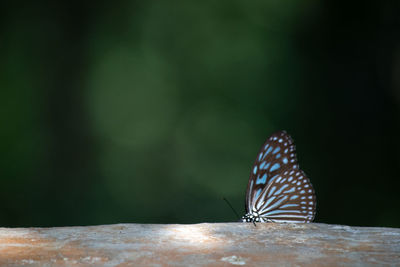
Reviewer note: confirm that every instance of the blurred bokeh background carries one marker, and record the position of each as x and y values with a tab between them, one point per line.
152	111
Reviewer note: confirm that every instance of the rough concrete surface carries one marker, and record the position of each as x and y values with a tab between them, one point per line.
206	244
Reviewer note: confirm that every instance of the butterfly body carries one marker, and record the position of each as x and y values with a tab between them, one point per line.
278	191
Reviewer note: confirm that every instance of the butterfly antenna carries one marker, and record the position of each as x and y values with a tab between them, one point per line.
229	204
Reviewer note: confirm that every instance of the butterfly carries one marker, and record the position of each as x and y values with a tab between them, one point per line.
278	191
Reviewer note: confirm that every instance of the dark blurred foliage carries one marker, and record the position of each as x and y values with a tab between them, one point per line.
152	111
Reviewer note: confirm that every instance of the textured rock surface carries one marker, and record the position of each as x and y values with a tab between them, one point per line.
207	244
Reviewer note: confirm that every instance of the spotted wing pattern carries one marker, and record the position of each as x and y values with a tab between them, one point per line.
278	191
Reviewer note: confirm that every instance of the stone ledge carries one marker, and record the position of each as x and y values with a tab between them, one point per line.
206	244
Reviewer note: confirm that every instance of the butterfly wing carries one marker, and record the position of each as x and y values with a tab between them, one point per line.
288	197
277	155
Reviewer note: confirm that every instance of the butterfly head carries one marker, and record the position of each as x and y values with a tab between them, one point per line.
248	217
253	217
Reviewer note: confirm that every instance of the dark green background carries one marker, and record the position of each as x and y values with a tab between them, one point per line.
152	111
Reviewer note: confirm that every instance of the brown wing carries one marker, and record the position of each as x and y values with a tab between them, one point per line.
277	155
289	197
